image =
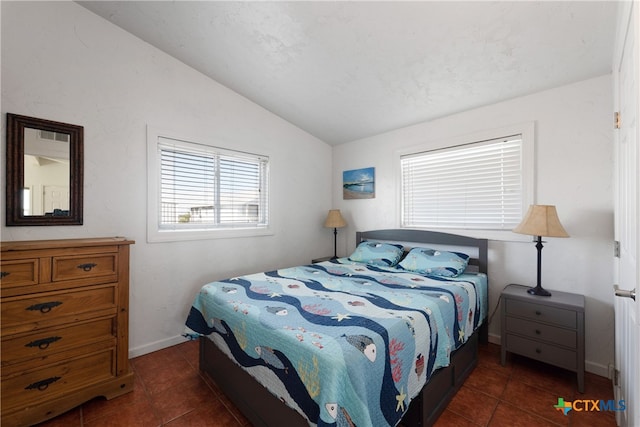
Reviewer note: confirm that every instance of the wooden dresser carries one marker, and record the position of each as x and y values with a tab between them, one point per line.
65	325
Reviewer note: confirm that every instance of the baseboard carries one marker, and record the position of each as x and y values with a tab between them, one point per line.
494	339
596	368
155	346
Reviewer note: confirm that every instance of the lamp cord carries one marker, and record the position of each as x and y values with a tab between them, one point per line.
498	303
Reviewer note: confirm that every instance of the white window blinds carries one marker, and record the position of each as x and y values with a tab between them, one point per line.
472	186
209	187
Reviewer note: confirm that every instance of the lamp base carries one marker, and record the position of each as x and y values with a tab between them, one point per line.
538	290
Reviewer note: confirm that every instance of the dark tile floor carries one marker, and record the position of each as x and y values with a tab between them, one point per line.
170	391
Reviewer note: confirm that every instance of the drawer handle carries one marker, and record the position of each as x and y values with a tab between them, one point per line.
87	267
44	307
538	351
538	312
4	274
43	343
537	331
42	384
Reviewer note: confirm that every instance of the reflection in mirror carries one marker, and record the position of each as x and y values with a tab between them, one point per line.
44	172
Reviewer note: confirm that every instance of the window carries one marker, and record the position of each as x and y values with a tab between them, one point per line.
481	185
201	191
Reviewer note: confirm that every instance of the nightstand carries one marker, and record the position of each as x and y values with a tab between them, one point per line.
326	258
548	329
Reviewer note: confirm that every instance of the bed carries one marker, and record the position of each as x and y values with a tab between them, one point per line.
375	339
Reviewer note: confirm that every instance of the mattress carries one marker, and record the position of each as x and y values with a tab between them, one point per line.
342	343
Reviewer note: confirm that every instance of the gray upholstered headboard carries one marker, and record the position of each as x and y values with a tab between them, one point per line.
435	239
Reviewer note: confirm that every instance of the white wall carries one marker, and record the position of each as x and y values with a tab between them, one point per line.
574	163
63	63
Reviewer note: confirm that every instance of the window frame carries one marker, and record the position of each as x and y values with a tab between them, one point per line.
527	130
158	233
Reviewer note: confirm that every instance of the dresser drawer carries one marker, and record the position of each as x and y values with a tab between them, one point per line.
540	351
21	314
23	272
52	381
542	331
542	313
85	266
43	344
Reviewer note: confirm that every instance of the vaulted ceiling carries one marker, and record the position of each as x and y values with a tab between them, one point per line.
343	71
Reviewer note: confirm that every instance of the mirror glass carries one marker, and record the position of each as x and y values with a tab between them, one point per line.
44	172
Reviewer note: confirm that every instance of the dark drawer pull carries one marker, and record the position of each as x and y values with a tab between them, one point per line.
44	307
87	267
42	384
4	274
538	351
538	312
537	331
43	343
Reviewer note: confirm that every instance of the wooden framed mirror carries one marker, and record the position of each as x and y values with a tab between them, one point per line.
44	172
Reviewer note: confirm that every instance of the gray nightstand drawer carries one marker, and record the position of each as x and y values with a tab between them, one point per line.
542	313
544	332
540	351
546	328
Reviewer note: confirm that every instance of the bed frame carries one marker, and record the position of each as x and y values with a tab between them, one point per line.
263	409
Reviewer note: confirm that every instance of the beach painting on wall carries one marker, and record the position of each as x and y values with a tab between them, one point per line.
359	184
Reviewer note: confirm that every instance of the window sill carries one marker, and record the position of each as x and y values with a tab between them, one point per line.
185	235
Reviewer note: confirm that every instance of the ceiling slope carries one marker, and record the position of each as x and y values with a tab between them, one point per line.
343	71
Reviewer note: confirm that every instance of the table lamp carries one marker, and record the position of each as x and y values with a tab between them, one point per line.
334	220
541	220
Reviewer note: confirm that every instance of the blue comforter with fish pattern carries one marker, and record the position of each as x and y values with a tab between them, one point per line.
342	343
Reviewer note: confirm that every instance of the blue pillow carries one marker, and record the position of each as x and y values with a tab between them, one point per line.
435	262
374	253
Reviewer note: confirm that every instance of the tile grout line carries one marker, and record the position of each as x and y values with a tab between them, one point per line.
147	396
513	378
500	399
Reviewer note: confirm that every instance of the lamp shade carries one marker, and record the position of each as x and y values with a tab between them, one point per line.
541	220
334	219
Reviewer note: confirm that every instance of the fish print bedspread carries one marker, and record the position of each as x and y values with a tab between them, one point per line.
340	342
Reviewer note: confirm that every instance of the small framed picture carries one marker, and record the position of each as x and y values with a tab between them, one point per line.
359	184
